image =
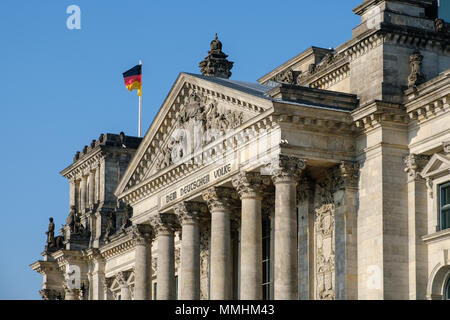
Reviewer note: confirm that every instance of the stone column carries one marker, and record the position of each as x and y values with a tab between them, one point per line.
83	193
72	193
345	231
305	200
98	276
219	202
163	224
285	173
188	214
417	226
91	191
249	186
122	278
97	183
142	236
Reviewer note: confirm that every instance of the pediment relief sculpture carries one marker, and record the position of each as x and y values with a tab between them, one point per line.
200	122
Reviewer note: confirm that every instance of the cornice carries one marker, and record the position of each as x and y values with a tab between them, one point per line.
377	113
168	114
430	99
220	147
124	243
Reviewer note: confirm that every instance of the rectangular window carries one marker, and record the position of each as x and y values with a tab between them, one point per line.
444	206
266	283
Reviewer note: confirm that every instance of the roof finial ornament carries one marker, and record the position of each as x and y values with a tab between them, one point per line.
216	64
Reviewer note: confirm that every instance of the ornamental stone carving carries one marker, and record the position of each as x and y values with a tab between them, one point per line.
50	294
142	234
205	238
216	64
415	76
122	278
288	76
325	252
304	189
446	145
284	168
163	223
349	174
190	212
200	122
414	164
249	184
220	198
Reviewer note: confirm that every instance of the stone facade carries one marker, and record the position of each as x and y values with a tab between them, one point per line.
344	153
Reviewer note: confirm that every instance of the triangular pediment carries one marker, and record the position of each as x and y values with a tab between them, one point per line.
436	165
197	111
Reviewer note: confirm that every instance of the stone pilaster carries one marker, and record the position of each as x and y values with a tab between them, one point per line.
250	186
163	225
72	199
345	223
98	276
83	185
305	202
188	214
417	225
143	236
285	172
91	191
219	202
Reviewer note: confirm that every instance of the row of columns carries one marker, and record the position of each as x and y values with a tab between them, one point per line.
85	191
284	172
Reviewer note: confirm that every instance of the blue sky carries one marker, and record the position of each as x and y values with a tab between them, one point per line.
61	88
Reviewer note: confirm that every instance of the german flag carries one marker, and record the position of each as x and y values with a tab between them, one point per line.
133	79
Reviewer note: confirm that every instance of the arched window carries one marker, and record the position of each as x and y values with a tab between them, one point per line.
447	290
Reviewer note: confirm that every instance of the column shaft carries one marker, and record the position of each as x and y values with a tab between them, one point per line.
286	255
125	293
190	257
91	191
251	249
83	194
142	287
166	266
220	255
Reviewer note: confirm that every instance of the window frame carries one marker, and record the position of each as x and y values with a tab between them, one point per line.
441	207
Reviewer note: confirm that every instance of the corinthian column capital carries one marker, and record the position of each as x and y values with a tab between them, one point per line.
163	223
142	234
220	198
284	168
349	172
249	184
189	212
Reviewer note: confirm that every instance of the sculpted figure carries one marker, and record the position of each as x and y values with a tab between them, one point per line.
50	233
71	219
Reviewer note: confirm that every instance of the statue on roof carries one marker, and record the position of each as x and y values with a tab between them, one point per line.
216	64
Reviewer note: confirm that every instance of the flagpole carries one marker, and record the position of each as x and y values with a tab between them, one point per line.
140	104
